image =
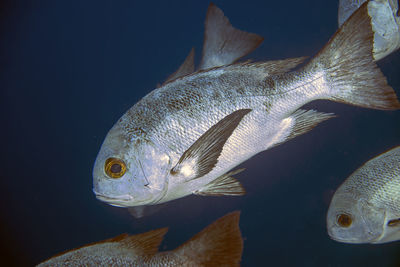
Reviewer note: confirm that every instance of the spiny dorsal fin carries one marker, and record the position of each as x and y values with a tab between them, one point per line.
219	244
186	68
223	44
274	67
145	243
200	158
224	185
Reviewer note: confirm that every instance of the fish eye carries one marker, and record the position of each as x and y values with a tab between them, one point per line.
114	168
395	222
344	220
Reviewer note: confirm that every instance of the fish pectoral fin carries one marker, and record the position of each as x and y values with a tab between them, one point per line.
224	185
201	157
224	44
186	68
145	243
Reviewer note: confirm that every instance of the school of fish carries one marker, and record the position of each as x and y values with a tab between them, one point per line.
186	137
219	244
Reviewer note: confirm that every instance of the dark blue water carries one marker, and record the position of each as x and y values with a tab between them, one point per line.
70	69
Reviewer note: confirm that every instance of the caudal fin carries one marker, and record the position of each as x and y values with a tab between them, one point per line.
349	67
219	244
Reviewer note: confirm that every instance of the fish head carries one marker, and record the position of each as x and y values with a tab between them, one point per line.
129	171
354	220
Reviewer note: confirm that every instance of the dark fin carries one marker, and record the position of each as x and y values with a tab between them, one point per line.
223	44
186	68
305	120
219	244
202	156
349	67
145	243
224	185
145	210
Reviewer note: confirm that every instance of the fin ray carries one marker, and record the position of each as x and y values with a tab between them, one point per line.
224	185
200	158
223	44
349	68
186	68
144	243
219	244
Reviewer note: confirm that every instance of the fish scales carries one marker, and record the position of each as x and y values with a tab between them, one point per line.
378	181
186	136
366	207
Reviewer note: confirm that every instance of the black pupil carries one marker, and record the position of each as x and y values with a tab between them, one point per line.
344	220
116	168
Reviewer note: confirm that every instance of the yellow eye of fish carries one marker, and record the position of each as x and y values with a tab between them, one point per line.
344	220
114	168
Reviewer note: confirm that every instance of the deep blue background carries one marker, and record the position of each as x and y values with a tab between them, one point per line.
70	69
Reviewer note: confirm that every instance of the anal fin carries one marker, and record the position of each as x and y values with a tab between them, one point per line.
224	185
305	120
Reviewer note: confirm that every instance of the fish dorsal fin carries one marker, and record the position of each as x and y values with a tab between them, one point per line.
201	157
223	44
145	243
186	68
274	67
219	244
224	185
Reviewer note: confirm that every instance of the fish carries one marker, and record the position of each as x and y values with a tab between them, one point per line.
186	136
219	244
366	207
385	23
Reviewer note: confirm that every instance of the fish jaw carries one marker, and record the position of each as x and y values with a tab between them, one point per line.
366	225
145	179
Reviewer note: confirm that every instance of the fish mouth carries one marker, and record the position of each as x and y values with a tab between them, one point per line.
118	201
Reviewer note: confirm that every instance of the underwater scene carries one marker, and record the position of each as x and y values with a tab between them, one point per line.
71	69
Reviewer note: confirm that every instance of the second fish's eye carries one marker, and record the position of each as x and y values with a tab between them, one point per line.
344	220
114	168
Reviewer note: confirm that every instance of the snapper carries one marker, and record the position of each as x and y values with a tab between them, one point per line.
366	207
187	135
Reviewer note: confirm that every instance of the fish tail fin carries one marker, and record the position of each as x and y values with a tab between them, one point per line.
348	66
219	244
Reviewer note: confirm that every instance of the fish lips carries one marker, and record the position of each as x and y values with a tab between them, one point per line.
117	201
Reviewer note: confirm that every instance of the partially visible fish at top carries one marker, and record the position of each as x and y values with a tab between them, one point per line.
219	244
385	23
185	136
366	207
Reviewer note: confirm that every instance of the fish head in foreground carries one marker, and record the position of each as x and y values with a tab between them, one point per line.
129	172
353	220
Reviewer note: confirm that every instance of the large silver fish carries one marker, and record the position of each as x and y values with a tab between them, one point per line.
184	137
220	244
366	207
